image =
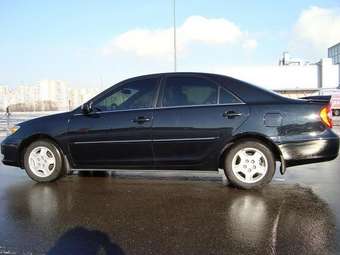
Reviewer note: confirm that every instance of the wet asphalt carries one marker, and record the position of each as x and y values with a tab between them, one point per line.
298	213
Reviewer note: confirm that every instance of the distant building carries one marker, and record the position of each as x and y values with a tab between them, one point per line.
23	94
328	74
292	77
55	91
46	95
287	60
79	96
334	53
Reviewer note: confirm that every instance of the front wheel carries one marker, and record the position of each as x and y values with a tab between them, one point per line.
43	161
249	164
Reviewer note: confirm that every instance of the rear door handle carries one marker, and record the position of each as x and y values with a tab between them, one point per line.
141	119
231	114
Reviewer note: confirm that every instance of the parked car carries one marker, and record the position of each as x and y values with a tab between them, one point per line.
335	104
335	99
178	121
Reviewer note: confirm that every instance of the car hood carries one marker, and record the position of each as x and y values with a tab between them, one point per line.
42	119
52	125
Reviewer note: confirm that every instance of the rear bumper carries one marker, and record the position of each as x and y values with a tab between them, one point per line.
10	152
310	150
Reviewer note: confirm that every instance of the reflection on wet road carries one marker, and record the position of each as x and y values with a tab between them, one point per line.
105	215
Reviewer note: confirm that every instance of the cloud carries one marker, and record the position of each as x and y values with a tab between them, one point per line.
315	30
194	30
249	44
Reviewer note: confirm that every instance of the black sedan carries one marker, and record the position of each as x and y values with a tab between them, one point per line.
178	121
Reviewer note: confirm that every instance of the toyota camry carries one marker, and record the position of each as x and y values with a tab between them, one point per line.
178	121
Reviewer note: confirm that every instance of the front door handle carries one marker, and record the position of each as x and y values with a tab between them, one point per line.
231	114
141	119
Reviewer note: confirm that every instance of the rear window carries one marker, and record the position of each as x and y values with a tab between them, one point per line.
227	98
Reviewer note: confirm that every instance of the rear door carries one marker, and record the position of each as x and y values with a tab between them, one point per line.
194	117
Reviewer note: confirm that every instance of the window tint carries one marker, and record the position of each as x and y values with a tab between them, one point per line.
181	91
227	98
133	95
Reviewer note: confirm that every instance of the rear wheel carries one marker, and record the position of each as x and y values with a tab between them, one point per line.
249	164
43	161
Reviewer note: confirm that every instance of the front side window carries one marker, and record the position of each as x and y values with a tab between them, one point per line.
137	94
181	91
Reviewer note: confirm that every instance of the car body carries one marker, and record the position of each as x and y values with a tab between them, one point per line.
177	121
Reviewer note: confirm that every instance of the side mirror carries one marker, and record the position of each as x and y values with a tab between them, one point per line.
86	108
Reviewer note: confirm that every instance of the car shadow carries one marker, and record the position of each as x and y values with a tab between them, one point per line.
93	173
80	240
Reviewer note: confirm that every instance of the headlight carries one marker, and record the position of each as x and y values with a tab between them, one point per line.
14	129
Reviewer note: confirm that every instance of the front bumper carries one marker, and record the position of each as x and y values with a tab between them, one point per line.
10	151
307	151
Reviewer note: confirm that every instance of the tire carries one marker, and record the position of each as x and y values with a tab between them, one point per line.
249	164
336	112
43	161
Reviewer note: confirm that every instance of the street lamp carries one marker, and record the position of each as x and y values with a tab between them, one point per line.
175	39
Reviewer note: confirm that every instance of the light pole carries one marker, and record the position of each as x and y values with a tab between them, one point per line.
175	39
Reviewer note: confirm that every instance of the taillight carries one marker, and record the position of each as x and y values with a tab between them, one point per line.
326	115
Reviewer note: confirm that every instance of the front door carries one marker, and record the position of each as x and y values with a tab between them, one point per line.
117	133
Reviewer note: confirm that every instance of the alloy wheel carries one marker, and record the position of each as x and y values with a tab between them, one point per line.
249	165
42	161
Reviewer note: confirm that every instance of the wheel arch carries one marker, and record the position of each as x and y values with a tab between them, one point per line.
29	140
250	136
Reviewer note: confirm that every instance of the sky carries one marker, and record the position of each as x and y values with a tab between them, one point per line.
97	43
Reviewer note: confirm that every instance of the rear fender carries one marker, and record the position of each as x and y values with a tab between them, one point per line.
253	136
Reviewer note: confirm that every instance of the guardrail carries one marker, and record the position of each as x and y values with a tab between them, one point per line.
7	121
4	124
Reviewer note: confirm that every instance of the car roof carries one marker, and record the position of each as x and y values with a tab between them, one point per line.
248	92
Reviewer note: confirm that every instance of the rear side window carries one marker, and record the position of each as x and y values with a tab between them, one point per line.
181	91
227	98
